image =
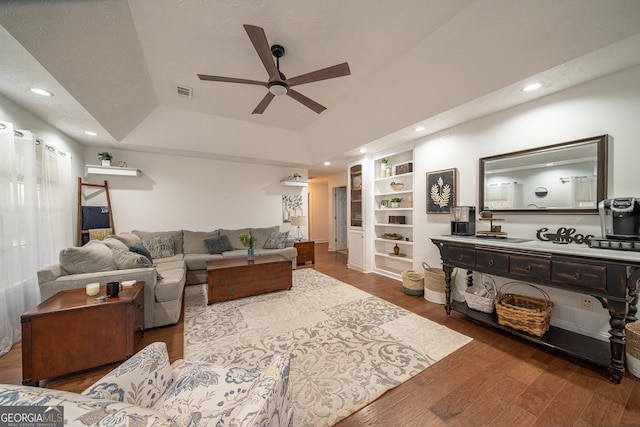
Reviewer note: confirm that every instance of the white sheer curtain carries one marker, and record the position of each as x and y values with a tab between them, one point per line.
35	222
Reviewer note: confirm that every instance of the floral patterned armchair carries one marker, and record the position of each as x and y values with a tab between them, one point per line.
147	390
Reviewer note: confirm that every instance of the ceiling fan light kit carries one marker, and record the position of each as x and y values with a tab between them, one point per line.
278	84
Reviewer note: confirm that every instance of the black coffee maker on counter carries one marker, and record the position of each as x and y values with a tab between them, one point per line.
620	223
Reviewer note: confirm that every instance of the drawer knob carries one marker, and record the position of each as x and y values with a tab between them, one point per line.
578	276
460	257
491	262
528	269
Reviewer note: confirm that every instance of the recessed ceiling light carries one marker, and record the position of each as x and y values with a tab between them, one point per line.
363	150
327	163
40	92
88	132
531	87
419	129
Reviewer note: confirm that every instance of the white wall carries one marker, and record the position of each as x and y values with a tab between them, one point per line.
196	194
610	105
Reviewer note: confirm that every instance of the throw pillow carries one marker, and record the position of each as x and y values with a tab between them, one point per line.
262	234
193	241
128	239
175	234
234	236
160	246
140	249
217	245
126	260
277	240
114	243
93	257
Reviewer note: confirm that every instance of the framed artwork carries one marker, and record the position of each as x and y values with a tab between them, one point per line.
291	206
441	190
384	203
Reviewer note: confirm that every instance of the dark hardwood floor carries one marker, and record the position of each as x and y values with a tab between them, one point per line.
496	380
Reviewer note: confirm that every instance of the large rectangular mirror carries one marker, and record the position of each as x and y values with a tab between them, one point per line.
563	178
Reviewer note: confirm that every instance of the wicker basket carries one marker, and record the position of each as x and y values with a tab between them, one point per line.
482	302
524	313
413	283
434	283
633	348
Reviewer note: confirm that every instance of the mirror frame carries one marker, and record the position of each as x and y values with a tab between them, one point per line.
602	146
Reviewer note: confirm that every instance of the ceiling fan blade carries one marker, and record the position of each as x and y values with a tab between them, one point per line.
324	74
230	80
260	43
306	101
264	103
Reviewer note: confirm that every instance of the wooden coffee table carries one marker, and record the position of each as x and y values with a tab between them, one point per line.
238	277
71	332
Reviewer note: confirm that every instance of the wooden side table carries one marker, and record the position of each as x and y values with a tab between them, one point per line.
306	251
71	332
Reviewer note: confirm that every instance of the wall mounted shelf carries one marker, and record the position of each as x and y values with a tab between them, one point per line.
293	183
111	170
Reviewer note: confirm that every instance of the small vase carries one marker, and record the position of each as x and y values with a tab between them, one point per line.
250	254
396	250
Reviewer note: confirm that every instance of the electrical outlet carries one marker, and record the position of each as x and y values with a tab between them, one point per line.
587	303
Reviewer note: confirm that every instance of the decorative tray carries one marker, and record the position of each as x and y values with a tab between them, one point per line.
391	236
400	255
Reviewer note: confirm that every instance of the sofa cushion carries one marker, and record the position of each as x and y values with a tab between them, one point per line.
93	257
141	380
199	261
126	259
262	234
277	240
140	249
113	243
176	234
159	246
217	245
223	388
129	239
234	236
194	241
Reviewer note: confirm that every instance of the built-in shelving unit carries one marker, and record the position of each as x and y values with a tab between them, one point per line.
111	170
356	196
393	223
356	241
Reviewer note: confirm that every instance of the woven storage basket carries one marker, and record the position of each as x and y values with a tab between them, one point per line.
483	303
434	283
524	313
633	348
413	283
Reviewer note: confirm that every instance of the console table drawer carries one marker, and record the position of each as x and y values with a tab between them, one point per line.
588	276
458	256
492	261
530	267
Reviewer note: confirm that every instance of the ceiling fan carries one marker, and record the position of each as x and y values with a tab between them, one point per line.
278	84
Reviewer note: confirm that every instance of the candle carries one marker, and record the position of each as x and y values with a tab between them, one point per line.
93	289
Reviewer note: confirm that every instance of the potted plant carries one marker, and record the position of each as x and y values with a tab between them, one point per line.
247	241
395	202
105	157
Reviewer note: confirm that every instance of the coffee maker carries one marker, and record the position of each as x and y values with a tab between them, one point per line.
620	218
463	220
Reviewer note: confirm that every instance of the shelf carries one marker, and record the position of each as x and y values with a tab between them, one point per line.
572	343
111	170
392	177
399	258
292	183
404	242
391	193
392	209
394	225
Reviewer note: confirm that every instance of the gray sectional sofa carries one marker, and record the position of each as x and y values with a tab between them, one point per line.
180	258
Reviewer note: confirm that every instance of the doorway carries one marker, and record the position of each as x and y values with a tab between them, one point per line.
340	218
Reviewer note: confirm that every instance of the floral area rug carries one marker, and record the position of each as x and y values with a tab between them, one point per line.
347	347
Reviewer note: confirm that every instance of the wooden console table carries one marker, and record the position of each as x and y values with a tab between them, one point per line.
608	275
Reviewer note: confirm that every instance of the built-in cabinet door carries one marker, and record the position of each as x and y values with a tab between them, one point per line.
356	250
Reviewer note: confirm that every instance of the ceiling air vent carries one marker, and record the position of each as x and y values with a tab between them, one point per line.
184	91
